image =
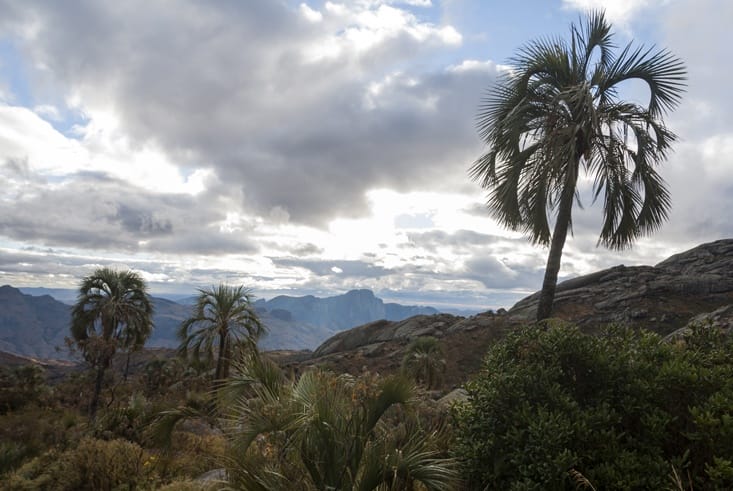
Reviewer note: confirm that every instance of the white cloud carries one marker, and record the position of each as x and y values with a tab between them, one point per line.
619	12
310	14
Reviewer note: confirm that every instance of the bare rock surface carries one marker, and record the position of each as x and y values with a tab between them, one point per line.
662	297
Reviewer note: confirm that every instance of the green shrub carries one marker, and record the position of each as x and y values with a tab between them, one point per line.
20	386
29	432
620	409
94	465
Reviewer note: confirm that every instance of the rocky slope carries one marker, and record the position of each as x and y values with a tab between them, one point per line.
662	297
694	285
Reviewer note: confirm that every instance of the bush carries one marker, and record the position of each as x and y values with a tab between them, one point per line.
621	409
94	465
20	386
31	431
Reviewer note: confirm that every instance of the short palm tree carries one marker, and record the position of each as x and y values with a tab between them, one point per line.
424	361
327	431
113	310
223	318
557	112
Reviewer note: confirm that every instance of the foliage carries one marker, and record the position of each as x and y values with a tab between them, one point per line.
424	362
222	318
325	431
20	386
621	410
557	112
32	430
93	465
128	421
113	310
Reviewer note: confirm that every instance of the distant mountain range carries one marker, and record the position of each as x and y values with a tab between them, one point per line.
35	325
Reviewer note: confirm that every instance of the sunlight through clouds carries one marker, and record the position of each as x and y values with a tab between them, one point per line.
309	146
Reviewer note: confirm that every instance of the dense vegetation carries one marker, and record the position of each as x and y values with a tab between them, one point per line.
622	410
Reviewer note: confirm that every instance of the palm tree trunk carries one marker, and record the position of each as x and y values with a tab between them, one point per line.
97	390
127	366
219	375
562	223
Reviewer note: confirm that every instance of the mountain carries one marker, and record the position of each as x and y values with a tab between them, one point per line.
63	295
693	286
36	325
32	326
342	311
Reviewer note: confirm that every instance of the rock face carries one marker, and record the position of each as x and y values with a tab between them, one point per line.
384	330
662	297
379	346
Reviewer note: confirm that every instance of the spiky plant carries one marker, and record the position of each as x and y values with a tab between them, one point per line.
325	431
424	361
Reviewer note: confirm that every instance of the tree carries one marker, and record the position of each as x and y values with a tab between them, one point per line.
557	112
113	310
223	316
424	361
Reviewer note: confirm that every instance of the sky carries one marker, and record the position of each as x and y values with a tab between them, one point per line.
312	147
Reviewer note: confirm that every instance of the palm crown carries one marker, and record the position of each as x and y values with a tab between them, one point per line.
557	111
113	305
223	315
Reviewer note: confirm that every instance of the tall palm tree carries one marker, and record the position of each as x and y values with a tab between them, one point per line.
113	310
557	112
222	318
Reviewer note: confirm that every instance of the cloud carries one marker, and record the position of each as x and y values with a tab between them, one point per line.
238	90
619	12
97	212
360	269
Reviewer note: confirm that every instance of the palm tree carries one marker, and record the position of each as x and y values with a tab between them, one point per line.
327	431
113	309
424	361
223	316
555	112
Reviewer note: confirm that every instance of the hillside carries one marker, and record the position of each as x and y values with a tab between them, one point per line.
36	325
32	326
305	322
663	298
694	284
